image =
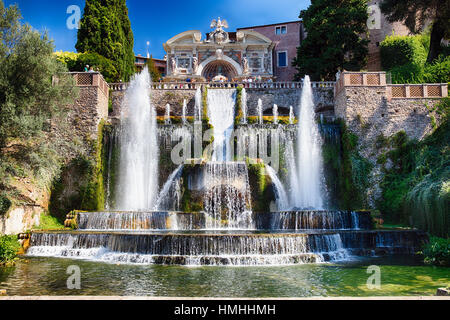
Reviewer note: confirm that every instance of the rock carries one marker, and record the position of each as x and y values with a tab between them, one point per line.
443	292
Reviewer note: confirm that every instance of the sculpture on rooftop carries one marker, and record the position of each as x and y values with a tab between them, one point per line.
219	35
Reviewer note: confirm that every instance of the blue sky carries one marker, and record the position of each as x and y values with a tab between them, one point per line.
158	21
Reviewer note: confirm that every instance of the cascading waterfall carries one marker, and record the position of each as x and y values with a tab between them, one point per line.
221	116
137	187
198	105
170	196
244	105
309	171
227	199
260	111
281	196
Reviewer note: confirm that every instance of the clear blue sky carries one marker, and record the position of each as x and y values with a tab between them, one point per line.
158	21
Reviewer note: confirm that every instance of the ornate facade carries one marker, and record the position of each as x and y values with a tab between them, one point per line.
221	56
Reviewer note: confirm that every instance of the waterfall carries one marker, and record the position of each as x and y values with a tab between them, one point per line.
139	152
275	114
244	106
183	115
198	105
221	104
281	196
227	197
170	196
309	170
260	111
291	115
167	116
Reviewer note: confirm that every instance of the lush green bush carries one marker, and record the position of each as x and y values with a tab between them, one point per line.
5	203
438	71
402	50
437	251
76	62
9	246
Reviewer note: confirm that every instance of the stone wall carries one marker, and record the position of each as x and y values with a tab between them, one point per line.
284	98
370	113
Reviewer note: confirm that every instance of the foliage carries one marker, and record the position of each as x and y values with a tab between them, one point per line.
417	182
437	251
27	97
416	14
67	57
5	204
48	222
262	192
205	104
334	39
99	63
239	113
438	71
105	29
9	246
402	50
154	72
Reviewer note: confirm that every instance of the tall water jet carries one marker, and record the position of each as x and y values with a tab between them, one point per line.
244	105
167	116
280	193
184	110
309	157
291	115
139	151
198	105
260	111
275	114
221	116
170	196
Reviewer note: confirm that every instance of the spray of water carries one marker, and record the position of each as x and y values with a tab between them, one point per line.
139	152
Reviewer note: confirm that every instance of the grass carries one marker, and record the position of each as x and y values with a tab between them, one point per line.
48	222
9	247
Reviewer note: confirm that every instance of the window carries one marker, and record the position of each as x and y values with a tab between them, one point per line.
282	59
281	30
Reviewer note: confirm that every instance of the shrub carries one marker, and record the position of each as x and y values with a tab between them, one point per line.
5	204
9	246
402	50
438	71
437	251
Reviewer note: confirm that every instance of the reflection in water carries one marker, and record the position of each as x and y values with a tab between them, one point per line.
47	276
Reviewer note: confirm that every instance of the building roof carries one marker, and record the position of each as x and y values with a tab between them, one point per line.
269	25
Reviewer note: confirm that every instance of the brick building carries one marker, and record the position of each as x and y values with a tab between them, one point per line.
287	37
160	64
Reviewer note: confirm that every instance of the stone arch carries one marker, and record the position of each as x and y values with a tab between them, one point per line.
235	67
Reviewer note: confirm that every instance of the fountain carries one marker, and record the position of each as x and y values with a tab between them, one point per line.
308	171
275	114
260	111
217	211
184	110
138	167
244	106
291	115
167	119
198	105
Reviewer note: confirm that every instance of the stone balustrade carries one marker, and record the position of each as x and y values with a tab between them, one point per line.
91	79
393	91
247	85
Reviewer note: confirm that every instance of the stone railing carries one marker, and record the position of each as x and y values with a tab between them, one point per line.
91	79
247	85
393	91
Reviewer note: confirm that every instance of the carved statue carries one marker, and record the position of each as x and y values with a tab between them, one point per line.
219	35
219	54
194	64
219	24
174	65
245	65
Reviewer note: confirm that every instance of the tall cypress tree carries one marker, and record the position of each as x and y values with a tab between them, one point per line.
106	29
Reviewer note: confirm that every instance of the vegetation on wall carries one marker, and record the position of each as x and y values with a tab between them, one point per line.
416	181
106	29
9	247
238	112
437	251
417	14
334	39
405	57
33	109
261	188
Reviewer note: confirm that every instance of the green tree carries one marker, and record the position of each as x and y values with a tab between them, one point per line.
106	29
335	39
416	14
27	97
154	72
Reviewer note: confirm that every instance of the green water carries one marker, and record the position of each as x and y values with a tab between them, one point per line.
400	276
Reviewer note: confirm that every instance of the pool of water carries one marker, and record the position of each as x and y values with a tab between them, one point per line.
400	276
